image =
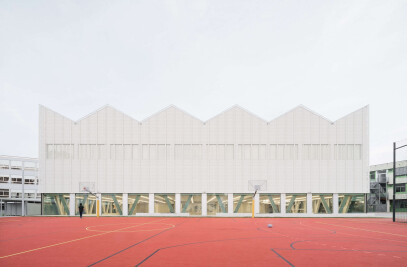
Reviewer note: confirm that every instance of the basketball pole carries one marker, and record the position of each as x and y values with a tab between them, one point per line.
97	200
253	208
97	207
253	203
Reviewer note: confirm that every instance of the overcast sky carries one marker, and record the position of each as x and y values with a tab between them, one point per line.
203	56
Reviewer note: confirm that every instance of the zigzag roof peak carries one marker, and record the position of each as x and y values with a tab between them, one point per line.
239	108
171	107
204	122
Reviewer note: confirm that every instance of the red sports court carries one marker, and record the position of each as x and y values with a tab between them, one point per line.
175	241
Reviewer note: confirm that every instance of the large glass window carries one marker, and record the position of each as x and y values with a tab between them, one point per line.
55	204
164	203
217	203
112	204
242	203
191	203
296	203
138	203
322	203
88	201
351	203
269	203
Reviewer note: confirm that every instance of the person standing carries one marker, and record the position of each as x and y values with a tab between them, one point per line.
80	210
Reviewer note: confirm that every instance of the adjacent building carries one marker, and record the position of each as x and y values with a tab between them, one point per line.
381	187
18	184
172	163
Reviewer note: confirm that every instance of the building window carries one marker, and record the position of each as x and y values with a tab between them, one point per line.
270	203
29	180
322	203
15	194
4	164
400	188
296	203
217	203
242	203
89	204
4	193
30	195
191	203
401	171
138	203
372	175
16	165
4	179
112	204
30	166
55	204
164	203
351	203
16	180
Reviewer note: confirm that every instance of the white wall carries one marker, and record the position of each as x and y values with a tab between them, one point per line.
212	157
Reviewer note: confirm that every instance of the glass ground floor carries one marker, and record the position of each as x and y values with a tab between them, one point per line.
207	204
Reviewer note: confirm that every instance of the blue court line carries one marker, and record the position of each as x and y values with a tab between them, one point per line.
282	258
120	251
200	242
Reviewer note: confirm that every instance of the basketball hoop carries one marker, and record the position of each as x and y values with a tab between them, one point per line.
90	188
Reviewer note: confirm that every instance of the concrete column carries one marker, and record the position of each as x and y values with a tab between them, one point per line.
151	203
336	204
204	204
72	204
125	204
177	203
230	203
282	207
309	203
257	203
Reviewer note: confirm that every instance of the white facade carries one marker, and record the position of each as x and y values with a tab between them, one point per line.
174	152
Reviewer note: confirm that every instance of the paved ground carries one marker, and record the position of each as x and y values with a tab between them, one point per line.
157	241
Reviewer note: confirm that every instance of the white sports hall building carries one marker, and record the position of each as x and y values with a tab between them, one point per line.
172	163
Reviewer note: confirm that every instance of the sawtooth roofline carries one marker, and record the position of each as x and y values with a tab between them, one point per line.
204	122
